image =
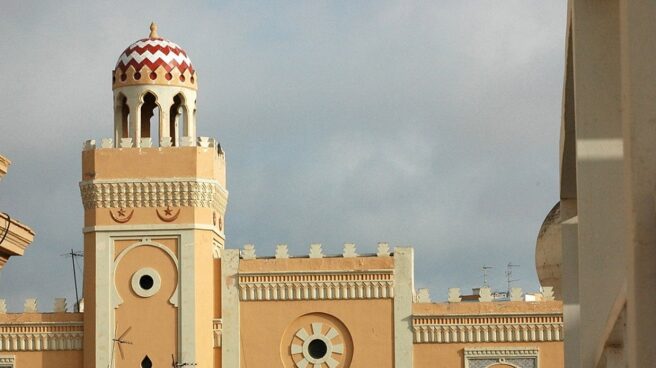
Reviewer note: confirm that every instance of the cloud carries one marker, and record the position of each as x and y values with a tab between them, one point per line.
430	124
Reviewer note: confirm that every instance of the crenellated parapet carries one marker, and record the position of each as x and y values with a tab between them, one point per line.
163	142
316	276
31	305
34	331
349	250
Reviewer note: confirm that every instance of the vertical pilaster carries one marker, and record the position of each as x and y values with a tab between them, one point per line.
187	339
403	292
230	308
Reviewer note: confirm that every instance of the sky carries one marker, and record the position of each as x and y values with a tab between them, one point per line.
433	124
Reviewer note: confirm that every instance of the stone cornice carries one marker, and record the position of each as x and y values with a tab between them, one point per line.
41	336
4	166
14	238
514	327
130	193
325	285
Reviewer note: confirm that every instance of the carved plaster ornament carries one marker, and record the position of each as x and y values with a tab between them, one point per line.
167	214
121	216
317	348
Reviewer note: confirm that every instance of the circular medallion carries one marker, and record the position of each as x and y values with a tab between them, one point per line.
317	340
146	282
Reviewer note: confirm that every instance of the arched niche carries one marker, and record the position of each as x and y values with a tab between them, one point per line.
121	117
150	113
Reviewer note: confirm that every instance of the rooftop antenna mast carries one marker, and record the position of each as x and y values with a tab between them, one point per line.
509	271
74	254
485	270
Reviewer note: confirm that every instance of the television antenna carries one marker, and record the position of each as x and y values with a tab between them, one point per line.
509	271
120	341
485	270
74	254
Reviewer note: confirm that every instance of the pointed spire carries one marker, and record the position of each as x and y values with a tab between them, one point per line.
153	30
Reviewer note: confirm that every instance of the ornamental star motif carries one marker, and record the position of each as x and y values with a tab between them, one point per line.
168	211
121	212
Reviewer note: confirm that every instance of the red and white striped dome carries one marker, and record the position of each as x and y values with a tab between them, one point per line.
154	60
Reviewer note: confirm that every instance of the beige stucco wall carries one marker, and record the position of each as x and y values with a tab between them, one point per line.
264	326
153	321
156	162
47	359
192	232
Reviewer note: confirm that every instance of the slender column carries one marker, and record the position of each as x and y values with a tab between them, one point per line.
165	117
118	128
135	121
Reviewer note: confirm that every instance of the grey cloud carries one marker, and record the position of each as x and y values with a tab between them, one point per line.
430	124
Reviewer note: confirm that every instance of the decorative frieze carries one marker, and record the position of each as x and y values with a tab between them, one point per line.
491	328
317	285
40	336
515	357
153	193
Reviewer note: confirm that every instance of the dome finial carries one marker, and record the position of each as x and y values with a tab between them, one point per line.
153	30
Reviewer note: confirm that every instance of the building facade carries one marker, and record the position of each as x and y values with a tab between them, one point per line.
161	289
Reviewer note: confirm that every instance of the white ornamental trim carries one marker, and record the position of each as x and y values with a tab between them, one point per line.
328	285
499	328
136	285
217	329
41	336
7	361
327	338
521	357
127	193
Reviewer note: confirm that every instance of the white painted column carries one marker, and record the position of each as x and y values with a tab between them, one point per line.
230	308
403	291
570	285
135	121
104	313
187	327
118	126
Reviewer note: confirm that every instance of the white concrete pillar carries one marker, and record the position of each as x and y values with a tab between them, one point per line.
403	294
230	308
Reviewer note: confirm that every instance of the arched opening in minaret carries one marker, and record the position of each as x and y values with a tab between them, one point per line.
178	124
149	115
123	113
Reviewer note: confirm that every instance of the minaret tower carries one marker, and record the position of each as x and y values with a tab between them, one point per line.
154	197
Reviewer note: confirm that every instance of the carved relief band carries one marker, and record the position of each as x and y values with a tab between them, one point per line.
317	286
40	336
499	328
155	193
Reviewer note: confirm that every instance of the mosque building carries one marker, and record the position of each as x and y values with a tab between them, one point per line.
162	290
